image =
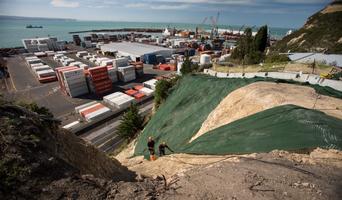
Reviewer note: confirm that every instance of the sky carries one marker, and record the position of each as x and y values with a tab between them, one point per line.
275	13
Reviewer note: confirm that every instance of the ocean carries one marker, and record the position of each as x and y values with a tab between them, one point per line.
13	30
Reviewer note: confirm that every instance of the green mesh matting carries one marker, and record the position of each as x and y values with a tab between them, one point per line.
182	115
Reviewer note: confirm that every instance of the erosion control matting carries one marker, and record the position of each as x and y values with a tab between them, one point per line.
285	127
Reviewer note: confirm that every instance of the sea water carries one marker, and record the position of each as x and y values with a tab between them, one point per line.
12	31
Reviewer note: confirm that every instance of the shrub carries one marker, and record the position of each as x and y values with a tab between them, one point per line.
131	122
275	57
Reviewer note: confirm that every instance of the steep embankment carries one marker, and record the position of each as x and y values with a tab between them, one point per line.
285	127
260	96
35	154
321	33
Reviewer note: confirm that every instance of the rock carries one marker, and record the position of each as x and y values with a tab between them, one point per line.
305	184
139	178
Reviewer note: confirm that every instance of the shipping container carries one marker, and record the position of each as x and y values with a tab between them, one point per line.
151	84
148	92
41	68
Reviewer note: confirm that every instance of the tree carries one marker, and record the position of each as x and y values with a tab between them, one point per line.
131	122
250	50
260	39
161	92
186	66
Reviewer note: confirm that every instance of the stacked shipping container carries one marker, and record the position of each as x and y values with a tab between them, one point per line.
118	100
127	73
44	72
93	111
98	80
72	81
113	73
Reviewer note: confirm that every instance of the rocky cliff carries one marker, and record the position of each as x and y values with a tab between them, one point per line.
321	33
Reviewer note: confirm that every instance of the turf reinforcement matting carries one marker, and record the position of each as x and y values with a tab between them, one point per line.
286	127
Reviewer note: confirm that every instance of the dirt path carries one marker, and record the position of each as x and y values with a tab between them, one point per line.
260	96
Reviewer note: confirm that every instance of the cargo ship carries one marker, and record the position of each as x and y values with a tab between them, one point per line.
30	26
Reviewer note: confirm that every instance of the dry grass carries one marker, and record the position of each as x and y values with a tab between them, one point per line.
332	8
274	67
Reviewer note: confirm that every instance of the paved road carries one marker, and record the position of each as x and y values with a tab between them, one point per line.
21	76
105	137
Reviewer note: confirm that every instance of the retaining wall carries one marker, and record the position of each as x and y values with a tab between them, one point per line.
296	76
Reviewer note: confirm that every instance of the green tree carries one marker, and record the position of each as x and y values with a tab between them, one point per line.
186	66
131	122
161	92
260	39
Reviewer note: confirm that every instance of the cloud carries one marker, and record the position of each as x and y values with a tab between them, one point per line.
136	5
65	4
170	7
157	6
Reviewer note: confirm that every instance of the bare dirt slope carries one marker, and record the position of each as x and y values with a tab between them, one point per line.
260	96
267	176
274	175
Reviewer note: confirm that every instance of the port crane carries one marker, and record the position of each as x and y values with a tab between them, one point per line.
214	24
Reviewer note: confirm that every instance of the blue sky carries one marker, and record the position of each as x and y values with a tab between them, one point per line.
276	13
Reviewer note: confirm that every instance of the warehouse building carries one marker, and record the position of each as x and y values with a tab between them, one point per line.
136	51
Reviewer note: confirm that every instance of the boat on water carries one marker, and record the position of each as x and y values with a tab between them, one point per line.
30	26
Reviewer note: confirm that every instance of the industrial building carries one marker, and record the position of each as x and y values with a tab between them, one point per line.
43	44
136	51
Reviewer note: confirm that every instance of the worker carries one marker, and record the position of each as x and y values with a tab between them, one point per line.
150	145
162	147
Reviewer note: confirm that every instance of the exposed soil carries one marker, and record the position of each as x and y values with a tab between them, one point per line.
332	8
260	96
274	175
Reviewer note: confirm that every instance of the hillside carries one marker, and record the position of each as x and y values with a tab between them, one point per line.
278	125
321	33
40	161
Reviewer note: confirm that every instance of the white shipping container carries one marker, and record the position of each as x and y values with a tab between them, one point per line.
127	78
97	113
74	89
106	62
76	64
148	92
36	65
113	95
72	126
39	54
151	84
34	61
122	101
75	80
75	73
41	68
120	62
31	58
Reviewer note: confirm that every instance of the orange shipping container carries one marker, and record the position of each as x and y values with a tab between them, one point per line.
131	92
139	96
92	109
138	87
